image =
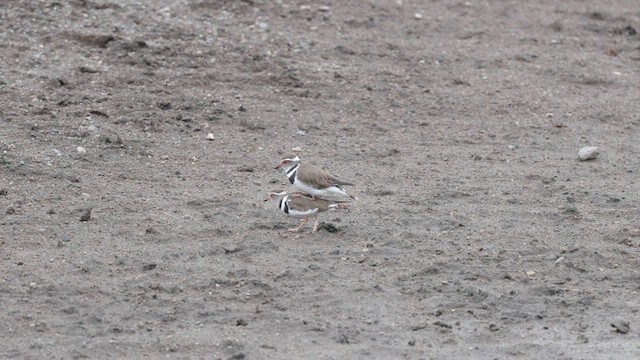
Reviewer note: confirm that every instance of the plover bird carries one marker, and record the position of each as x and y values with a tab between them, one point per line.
303	207
312	180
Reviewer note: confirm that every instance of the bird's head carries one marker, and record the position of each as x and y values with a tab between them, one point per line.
277	194
288	162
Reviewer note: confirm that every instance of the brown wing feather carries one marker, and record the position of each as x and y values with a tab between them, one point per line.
303	203
321	179
323	205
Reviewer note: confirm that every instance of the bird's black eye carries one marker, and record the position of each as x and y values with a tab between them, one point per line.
285	161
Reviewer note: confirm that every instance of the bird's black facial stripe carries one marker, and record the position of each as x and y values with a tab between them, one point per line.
292	177
283	205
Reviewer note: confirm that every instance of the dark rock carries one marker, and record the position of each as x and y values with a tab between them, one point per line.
149	267
329	227
164	105
151	230
241	322
419	327
86	215
231	249
442	324
621	326
87	70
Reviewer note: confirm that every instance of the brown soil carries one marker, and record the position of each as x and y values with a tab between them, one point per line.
477	233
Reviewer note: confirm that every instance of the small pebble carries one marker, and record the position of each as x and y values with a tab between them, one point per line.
417	15
297	149
81	150
323	8
531	273
86	216
210	136
621	326
560	259
588	153
148	267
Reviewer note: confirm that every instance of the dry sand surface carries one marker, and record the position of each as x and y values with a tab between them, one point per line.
126	233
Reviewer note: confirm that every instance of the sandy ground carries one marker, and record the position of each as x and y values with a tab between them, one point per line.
477	233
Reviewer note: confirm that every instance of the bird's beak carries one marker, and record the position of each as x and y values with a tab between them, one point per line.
268	198
279	165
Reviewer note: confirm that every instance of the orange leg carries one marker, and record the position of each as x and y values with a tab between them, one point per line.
302	223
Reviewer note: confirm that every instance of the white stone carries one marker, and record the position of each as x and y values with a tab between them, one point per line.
81	150
210	136
588	153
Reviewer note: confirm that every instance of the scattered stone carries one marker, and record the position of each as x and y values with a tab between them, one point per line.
151	230
412	343
621	326
242	108
149	267
442	324
531	273
329	227
342	339
81	150
588	153
231	249
87	70
11	210
86	216
560	259
99	113
296	149
241	322
3	192
417	15
419	326
301	133
494	327
164	105
323	8
51	211
210	136
246	168
570	209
